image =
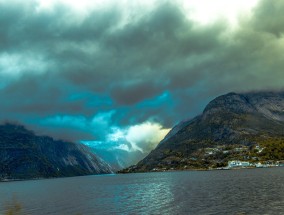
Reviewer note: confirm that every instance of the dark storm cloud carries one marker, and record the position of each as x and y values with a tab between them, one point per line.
269	17
160	67
132	94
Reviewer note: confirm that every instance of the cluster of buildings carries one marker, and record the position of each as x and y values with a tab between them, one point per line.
245	164
223	149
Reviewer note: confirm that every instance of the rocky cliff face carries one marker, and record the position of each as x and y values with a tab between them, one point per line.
231	126
24	155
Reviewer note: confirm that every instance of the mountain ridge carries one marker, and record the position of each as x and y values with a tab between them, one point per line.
24	155
228	122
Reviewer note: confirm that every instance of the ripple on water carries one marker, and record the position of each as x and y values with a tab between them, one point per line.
255	191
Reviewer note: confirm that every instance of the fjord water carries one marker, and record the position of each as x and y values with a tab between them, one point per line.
247	191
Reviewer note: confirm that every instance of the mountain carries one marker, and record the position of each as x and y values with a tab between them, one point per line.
246	126
117	158
24	155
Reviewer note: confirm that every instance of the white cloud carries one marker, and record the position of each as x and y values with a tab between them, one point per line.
15	64
116	135
102	119
202	11
142	137
123	147
145	136
207	11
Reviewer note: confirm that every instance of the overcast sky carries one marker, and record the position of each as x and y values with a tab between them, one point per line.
120	74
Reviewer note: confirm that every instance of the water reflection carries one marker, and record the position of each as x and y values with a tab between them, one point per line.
140	195
155	196
259	191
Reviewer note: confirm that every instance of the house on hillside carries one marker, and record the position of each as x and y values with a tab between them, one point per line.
238	164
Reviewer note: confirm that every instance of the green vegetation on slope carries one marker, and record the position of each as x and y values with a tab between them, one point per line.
245	127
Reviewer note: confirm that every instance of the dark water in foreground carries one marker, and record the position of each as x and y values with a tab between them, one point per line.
250	191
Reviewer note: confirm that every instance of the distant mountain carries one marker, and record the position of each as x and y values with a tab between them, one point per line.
248	126
119	159
24	155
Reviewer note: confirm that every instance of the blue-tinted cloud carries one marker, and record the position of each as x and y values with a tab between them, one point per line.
91	73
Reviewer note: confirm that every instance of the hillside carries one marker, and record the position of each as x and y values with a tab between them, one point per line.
248	127
24	155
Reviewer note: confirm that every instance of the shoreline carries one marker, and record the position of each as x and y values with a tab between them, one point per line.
122	173
213	169
36	179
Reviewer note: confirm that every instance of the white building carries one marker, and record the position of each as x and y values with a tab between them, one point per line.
238	164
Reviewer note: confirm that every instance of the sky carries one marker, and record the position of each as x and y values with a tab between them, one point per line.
118	75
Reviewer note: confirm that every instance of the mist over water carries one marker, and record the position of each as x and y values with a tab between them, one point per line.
255	191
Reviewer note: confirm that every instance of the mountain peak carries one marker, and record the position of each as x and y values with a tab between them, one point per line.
231	122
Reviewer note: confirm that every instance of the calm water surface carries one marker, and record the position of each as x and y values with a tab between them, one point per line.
248	191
